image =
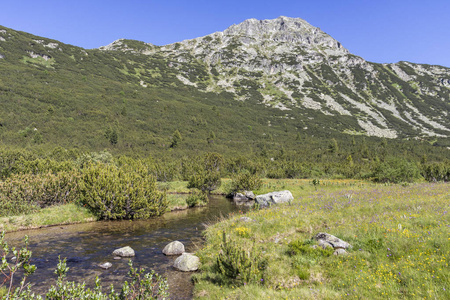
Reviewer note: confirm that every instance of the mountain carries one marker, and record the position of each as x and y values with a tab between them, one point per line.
257	79
287	63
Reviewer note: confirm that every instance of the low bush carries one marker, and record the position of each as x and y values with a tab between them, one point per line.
115	193
396	170
26	193
245	181
206	174
242	265
205	181
437	171
197	198
306	248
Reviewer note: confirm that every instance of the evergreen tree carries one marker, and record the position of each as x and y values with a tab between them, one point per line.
333	147
111	135
211	137
113	138
176	139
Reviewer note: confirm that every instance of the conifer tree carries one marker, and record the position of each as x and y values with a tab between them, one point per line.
176	139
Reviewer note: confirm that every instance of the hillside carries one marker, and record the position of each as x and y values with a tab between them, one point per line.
257	84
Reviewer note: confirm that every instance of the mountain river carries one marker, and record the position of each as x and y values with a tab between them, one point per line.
87	245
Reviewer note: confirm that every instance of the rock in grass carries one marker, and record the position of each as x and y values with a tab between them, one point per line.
245	219
124	252
187	262
324	244
340	251
323	238
244	198
274	198
249	194
106	265
174	248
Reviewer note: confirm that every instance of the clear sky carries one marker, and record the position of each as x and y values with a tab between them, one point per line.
377	30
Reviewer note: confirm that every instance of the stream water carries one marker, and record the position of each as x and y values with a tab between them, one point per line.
87	245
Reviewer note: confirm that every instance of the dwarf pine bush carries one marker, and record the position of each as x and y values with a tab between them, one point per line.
116	193
197	198
243	265
245	181
26	193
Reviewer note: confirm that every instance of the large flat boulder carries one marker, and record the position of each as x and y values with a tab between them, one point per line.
274	198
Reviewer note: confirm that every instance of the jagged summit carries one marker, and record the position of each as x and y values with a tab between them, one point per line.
286	30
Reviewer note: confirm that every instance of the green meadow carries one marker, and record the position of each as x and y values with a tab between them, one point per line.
399	233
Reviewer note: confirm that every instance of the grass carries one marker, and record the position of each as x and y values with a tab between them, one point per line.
399	235
54	215
177	201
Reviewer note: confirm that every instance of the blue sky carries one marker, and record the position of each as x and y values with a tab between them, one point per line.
377	30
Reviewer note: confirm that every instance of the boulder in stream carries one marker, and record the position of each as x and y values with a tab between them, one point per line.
174	248
124	252
187	262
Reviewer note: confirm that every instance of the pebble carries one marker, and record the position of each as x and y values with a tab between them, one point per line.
106	265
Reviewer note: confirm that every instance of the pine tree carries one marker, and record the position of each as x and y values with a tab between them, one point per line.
176	139
211	137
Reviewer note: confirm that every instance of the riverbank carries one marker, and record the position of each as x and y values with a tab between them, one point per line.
177	193
49	216
399	236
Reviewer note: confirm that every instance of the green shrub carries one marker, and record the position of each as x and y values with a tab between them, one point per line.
26	193
305	248
437	171
44	166
94	157
115	193
205	181
206	174
302	273
243	265
197	198
396	170
245	181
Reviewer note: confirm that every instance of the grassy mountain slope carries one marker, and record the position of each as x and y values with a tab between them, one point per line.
52	94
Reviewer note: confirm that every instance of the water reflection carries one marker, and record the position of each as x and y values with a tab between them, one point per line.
87	245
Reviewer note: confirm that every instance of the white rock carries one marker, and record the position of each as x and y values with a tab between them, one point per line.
174	248
187	262
124	252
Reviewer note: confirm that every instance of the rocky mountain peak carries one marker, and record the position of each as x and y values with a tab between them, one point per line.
288	64
284	30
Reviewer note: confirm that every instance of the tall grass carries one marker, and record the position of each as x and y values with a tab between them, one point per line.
399	234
